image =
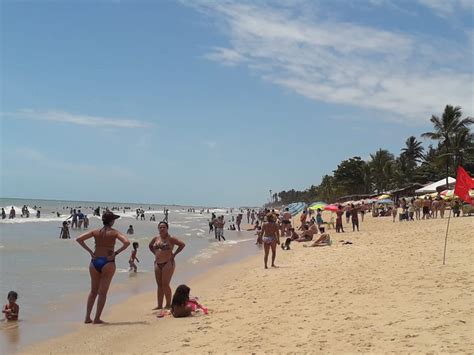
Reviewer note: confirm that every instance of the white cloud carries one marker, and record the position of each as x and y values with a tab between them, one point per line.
82	120
225	55
447	7
397	73
83	169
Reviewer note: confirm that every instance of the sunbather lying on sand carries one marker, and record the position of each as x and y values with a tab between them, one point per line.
308	233
322	241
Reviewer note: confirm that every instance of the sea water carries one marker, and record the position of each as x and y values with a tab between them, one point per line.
51	275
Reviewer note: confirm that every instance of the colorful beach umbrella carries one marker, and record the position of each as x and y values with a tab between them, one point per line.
314	206
332	208
382	197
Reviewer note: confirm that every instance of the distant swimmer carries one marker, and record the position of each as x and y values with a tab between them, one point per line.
152	218
12	213
102	266
4	214
38	214
166	215
86	222
64	234
162	247
130	230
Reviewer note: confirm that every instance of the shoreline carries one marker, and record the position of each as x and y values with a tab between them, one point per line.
388	291
65	317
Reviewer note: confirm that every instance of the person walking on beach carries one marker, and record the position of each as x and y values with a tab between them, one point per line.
12	213
417	203
102	265
355	217
339	214
271	237
252	216
348	213
162	247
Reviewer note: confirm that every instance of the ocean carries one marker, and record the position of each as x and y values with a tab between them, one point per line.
51	275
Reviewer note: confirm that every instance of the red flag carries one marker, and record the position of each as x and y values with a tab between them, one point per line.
463	183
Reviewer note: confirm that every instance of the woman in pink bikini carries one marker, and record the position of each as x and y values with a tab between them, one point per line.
162	247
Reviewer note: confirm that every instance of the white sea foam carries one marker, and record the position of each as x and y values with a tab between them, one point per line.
188	234
198	229
32	220
177	225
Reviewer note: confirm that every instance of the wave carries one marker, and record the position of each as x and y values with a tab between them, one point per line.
33	219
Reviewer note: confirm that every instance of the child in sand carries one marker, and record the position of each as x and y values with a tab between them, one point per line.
182	305
11	309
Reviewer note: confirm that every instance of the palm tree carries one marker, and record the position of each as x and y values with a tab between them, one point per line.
381	168
462	144
446	128
413	152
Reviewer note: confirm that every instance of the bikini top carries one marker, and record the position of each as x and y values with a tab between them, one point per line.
163	245
104	240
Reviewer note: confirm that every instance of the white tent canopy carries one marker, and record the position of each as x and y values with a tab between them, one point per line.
432	187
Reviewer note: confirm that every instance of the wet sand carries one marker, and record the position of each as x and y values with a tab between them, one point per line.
388	291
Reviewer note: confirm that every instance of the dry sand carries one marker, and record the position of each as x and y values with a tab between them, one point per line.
388	291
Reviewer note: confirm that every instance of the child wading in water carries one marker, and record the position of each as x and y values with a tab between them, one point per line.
11	309
64	234
182	305
133	257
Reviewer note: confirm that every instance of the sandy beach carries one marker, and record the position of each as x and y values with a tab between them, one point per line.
388	291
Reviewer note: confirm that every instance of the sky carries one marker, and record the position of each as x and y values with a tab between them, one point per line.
216	103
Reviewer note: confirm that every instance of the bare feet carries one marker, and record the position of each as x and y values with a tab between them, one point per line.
273	265
157	308
266	267
98	321
88	320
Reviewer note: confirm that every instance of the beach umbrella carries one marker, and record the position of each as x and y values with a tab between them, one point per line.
382	197
332	208
314	206
385	201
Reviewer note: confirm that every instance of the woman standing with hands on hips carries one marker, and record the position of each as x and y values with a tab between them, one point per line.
102	265
162	247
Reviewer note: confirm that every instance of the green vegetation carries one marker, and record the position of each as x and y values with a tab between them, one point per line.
454	146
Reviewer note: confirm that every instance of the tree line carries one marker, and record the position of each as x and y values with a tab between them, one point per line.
452	145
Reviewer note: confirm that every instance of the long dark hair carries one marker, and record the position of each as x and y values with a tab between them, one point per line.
181	296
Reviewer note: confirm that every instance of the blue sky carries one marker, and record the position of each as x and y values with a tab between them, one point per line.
216	103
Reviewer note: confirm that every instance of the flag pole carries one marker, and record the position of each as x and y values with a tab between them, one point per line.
446	238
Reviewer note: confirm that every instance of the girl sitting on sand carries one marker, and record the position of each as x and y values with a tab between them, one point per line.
182	305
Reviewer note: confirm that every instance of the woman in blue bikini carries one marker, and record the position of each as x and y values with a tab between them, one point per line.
162	247
102	266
